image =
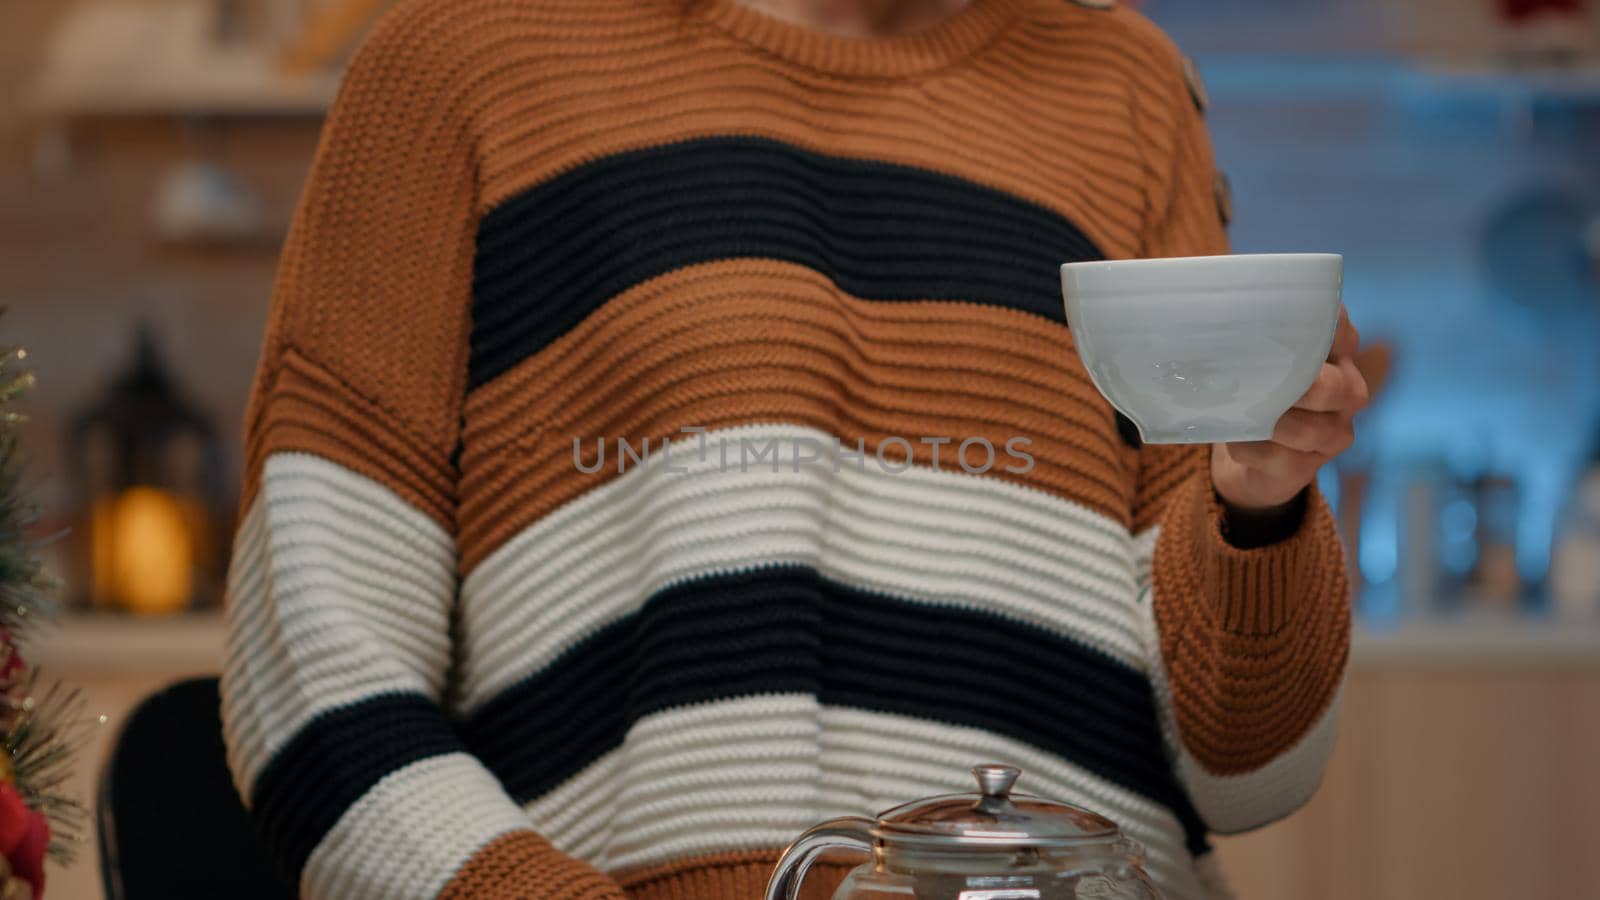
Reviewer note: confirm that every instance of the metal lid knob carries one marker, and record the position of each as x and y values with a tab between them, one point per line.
996	781
992	817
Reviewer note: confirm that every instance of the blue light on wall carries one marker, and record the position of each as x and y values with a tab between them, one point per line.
1404	172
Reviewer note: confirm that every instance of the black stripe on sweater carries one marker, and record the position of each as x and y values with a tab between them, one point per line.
548	257
333	761
789	630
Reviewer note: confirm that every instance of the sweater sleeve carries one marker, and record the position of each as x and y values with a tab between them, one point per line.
1248	646
342	586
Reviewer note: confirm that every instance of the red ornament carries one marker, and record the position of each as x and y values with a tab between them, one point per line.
24	837
1523	10
13	664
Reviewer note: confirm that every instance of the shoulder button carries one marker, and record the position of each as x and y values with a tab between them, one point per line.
1224	191
1197	87
1096	4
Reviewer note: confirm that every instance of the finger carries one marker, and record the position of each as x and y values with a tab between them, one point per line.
1327	433
1356	381
1339	387
1326	393
1346	340
1274	461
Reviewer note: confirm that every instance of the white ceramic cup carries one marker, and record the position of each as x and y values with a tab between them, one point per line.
1204	349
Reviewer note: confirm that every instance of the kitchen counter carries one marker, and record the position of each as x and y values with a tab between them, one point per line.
1503	644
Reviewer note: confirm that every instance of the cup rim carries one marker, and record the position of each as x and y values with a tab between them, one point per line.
1157	261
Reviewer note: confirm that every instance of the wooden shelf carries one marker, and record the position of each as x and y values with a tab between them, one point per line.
1578	83
113	58
1298	81
182	644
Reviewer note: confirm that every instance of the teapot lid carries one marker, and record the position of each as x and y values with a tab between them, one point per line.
992	817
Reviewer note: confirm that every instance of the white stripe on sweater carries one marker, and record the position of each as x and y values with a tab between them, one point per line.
938	537
439	811
338	590
1230	804
754	772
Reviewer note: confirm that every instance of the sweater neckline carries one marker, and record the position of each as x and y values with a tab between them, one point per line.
948	42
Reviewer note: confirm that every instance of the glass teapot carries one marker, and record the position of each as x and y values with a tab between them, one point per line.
989	845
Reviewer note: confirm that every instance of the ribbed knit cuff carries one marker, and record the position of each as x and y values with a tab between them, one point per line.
1253	642
520	865
1249	529
1255	589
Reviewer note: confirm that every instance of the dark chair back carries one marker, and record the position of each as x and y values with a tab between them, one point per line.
170	823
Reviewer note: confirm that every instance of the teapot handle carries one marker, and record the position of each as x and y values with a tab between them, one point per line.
845	833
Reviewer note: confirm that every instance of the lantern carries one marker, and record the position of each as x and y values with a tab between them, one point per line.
151	504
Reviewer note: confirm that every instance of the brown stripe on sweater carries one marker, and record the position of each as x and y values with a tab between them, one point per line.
1161	469
512	864
308	409
374	286
758	341
504	868
1084	84
735	874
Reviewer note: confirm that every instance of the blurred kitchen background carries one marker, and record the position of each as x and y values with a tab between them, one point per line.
151	152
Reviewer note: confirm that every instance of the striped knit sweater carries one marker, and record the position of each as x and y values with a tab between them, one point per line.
465	660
